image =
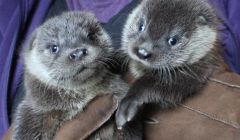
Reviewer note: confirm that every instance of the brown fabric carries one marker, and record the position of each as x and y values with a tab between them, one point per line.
8	135
95	114
213	114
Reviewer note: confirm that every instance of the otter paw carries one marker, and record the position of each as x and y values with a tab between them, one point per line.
126	111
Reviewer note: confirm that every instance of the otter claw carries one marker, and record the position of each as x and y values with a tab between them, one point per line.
126	112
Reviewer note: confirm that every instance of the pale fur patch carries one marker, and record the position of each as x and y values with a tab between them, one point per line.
35	67
136	70
201	42
130	26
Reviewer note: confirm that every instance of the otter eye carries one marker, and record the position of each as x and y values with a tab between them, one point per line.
172	41
54	49
91	36
141	27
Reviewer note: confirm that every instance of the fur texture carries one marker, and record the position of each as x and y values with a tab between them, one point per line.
64	70
171	46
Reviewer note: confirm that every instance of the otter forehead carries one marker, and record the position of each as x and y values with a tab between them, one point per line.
164	15
71	21
68	28
175	10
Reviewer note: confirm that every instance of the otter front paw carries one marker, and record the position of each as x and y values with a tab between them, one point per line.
126	111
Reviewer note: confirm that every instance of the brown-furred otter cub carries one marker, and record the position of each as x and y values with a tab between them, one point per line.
172	50
64	70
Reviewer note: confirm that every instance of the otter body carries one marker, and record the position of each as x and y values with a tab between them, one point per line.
64	70
172	50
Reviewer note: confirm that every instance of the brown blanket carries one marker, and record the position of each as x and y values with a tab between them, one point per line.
213	114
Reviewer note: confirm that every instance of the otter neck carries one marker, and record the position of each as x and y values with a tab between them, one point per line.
49	97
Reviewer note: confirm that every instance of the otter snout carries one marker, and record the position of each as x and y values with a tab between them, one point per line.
78	54
142	53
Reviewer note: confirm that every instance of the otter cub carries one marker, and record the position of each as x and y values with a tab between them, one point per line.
172	47
64	71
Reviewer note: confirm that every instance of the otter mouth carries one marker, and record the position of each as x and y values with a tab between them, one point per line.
80	71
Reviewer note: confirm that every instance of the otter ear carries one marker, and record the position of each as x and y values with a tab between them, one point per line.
28	45
31	40
201	20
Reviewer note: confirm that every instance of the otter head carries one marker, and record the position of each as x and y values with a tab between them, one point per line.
67	49
169	33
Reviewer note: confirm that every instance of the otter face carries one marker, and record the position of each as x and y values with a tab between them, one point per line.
67	49
169	33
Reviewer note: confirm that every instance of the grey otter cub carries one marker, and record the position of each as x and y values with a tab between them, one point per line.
172	50
64	70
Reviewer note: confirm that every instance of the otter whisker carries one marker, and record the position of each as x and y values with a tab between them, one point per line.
191	72
170	75
103	63
174	74
184	71
148	24
160	71
125	63
113	62
164	75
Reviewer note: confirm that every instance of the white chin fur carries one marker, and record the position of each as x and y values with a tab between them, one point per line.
135	71
36	68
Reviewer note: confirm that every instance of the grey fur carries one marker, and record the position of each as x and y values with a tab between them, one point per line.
57	86
167	74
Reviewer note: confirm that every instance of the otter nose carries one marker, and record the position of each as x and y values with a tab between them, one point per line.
78	54
143	53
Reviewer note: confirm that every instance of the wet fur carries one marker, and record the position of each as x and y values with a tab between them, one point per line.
57	88
171	74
